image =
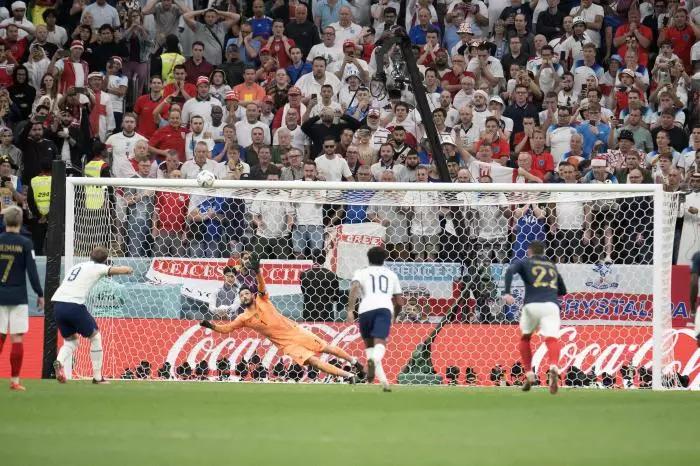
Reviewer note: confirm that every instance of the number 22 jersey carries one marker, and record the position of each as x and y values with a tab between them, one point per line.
543	283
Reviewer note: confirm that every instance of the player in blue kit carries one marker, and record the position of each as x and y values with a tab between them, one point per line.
72	316
694	276
543	286
16	262
380	291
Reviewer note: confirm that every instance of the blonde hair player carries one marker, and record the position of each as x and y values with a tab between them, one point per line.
16	262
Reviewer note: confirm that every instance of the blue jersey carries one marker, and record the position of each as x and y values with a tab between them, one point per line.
529	228
543	283
16	262
262	27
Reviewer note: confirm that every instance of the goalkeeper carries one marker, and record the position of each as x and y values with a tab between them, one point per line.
301	345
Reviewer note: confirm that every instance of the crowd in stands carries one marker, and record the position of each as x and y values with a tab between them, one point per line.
589	91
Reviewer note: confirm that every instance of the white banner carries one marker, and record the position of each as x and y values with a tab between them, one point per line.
347	246
201	278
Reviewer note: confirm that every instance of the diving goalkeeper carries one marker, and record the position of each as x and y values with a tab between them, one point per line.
301	345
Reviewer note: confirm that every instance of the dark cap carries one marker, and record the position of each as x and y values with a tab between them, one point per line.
626	134
8	159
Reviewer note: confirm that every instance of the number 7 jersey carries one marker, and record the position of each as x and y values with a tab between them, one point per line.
79	281
378	285
543	283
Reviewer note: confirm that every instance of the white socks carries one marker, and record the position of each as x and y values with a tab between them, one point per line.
96	356
377	354
65	356
369	352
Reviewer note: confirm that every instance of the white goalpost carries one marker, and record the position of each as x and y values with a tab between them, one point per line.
450	245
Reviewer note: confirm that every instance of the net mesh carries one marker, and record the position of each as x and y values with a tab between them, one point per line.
449	248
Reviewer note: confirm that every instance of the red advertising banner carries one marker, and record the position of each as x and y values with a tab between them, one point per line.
481	347
599	348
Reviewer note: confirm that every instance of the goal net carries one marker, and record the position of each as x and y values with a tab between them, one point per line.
450	245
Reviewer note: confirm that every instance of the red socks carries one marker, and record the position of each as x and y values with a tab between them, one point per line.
16	356
525	353
553	348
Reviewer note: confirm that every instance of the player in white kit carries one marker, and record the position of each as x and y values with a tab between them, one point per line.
380	292
73	318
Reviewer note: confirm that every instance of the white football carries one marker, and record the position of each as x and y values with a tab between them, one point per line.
206	179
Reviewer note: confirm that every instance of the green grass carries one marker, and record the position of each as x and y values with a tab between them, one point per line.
172	424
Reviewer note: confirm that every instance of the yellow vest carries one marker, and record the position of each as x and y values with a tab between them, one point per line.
168	62
41	185
94	195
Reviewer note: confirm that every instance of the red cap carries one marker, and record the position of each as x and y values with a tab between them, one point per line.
77	44
269	99
202	80
231	95
265	49
349	43
294	91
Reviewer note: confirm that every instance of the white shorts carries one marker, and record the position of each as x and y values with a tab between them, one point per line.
542	316
14	319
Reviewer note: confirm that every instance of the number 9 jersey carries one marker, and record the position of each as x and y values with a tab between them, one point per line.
543	283
379	285
78	281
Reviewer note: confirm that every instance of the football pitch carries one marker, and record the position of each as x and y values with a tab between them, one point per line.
151	423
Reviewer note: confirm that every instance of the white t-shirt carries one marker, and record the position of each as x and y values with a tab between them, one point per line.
352	32
559	140
122	151
331	54
79	281
378	285
243	132
334	169
117	101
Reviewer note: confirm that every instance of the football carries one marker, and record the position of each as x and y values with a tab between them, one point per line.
206	179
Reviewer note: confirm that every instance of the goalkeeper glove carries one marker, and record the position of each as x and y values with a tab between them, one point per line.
207	324
254	263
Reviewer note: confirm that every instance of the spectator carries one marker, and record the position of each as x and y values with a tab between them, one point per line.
307	221
140	205
424	220
209	36
233	168
530	221
201	161
169	138
566	222
102	14
233	66
206	227
36	151
395	219
303	32
225	303
197	135
201	104
311	84
272	224
245	128
264	168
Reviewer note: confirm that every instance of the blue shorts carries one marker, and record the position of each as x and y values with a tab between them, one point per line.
375	323
73	318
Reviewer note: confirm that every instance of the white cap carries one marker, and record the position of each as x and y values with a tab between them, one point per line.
579	19
446	138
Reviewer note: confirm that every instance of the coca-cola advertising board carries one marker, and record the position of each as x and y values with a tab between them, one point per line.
603	349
